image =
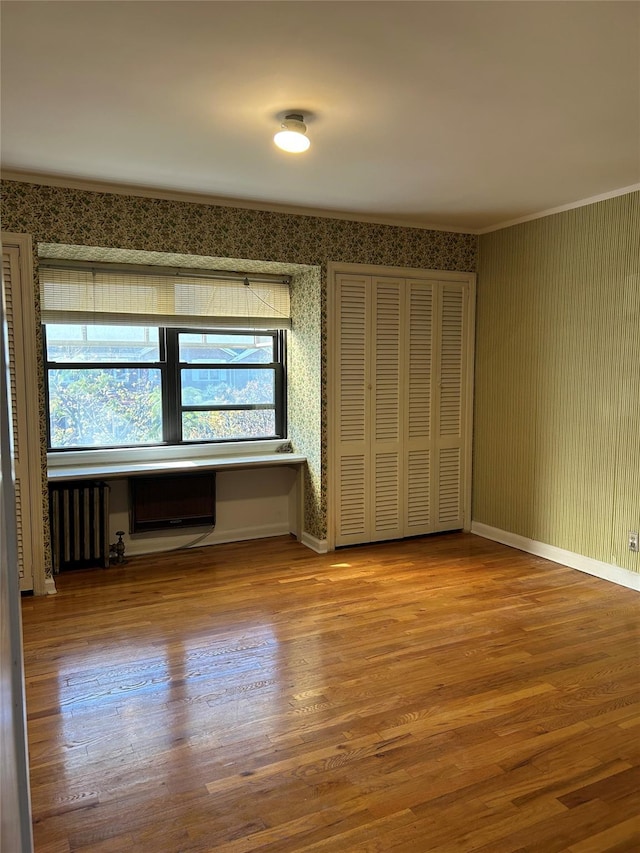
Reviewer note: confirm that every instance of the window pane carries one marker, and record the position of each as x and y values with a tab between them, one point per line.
227	387
78	343
105	407
226	348
204	426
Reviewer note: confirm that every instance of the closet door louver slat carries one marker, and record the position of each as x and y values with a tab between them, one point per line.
19	300
418	514
449	509
352	378
419	324
353	363
10	276
450	439
24	581
7	257
419	373
451	355
386	415
386	445
386	509
352	498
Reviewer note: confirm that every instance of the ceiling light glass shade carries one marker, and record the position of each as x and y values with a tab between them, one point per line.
292	137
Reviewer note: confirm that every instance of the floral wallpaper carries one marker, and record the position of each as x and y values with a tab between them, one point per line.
305	393
72	217
78	217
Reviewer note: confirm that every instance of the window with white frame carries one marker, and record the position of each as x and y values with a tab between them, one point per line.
172	365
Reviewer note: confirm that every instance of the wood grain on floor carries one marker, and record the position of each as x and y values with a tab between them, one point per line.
438	694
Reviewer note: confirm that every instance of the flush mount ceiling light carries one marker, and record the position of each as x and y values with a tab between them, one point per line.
292	137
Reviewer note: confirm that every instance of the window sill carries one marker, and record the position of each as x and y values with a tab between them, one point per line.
125	462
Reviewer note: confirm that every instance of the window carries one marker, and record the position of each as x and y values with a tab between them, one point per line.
117	385
139	355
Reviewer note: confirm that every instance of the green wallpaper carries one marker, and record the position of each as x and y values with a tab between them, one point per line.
557	418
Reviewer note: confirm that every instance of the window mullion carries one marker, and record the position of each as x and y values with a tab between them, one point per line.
46	383
171	402
280	343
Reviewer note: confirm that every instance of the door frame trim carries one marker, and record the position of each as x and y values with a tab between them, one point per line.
33	496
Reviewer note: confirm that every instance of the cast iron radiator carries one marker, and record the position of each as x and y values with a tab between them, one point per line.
79	519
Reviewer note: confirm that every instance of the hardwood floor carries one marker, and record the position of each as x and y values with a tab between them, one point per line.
436	694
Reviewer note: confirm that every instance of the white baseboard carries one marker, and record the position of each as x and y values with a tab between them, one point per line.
50	586
320	546
606	571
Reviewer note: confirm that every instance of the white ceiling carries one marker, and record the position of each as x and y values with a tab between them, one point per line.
455	114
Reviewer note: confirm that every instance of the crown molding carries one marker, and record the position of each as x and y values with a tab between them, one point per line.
219	201
294	210
632	188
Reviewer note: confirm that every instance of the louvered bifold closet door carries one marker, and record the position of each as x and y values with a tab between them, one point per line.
353	475
387	472
11	275
451	415
420	497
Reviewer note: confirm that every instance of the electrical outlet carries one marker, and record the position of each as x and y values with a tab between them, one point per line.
634	541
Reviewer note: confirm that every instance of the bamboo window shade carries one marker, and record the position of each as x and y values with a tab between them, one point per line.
100	295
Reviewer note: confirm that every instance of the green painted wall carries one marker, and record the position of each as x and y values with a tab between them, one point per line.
557	418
